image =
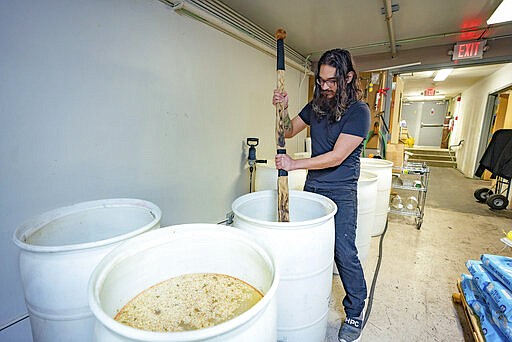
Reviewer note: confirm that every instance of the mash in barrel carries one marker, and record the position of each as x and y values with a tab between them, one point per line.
189	302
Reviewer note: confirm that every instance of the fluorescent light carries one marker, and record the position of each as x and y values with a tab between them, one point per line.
424	98
502	14
442	74
395	67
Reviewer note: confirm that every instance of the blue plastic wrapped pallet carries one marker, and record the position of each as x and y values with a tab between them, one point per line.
476	301
497	293
490	277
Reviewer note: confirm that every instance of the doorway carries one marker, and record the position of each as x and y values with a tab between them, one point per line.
424	120
498	115
418	86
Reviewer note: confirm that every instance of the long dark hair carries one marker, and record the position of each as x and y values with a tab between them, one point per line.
346	94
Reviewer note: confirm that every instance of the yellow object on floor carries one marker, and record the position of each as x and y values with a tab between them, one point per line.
409	142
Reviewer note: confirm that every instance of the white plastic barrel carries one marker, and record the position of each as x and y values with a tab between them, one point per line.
366	202
383	169
184	249
304	251
266	178
59	250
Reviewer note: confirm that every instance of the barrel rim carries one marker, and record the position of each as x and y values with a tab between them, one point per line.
285	225
375	162
123	251
33	225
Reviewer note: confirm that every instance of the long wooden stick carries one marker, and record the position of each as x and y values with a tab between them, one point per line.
283	212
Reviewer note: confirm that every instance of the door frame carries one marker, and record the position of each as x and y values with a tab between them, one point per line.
485	131
487	123
391	72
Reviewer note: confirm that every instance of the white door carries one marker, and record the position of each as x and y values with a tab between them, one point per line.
431	124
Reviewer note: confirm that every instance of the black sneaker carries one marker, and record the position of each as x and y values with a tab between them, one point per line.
350	330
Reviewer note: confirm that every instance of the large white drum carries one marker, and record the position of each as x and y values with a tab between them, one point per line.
384	170
60	249
366	202
185	249
303	249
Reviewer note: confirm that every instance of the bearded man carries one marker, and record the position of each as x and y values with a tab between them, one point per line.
338	121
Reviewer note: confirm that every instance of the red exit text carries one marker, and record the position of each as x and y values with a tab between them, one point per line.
469	50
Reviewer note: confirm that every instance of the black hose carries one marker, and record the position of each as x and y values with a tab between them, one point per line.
250	178
374	281
17	320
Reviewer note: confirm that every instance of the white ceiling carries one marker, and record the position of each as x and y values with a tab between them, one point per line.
460	79
314	26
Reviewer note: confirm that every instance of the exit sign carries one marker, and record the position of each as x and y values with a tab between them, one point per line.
429	92
469	50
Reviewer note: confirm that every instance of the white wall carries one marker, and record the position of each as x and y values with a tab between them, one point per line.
125	98
471	115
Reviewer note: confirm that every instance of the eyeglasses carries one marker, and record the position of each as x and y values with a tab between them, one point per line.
330	82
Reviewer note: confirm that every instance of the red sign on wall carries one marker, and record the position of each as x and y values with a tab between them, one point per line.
469	50
429	92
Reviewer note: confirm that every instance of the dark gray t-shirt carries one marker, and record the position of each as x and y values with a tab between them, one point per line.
355	121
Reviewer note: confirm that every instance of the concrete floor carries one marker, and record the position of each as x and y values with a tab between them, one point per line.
420	268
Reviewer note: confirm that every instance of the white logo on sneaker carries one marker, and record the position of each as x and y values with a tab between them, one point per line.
352	322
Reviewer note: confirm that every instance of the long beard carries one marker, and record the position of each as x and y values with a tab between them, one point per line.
325	104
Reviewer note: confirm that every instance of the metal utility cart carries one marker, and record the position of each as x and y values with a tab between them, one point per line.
497	159
413	177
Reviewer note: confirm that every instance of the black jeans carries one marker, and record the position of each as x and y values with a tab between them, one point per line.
345	250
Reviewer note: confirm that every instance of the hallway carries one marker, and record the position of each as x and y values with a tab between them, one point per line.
420	268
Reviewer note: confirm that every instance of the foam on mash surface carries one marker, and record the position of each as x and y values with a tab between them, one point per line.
189	302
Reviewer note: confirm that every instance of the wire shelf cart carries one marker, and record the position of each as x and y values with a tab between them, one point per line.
412	179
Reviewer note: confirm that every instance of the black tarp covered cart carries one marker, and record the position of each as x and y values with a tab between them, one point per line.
497	159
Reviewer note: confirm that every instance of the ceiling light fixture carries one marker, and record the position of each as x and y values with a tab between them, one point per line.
394	67
502	14
424	98
442	74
